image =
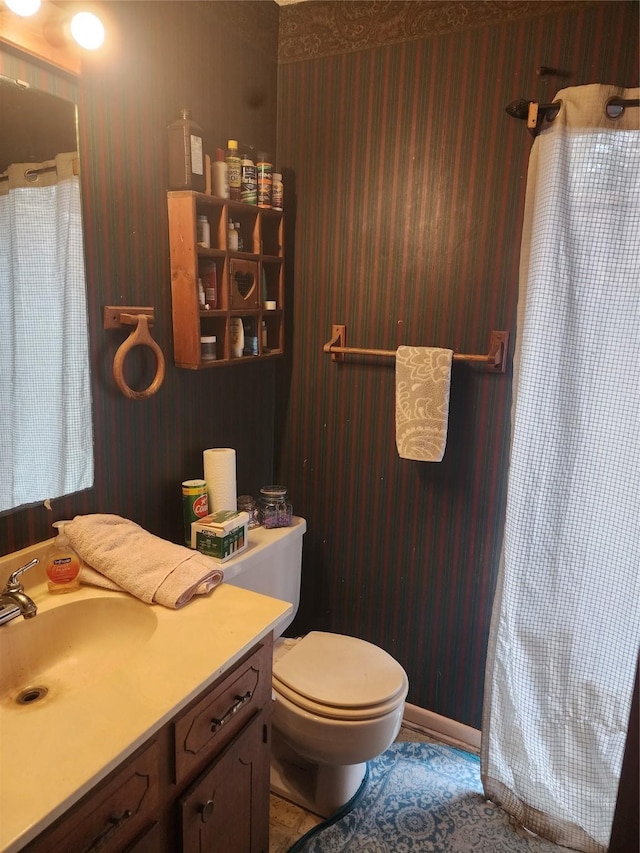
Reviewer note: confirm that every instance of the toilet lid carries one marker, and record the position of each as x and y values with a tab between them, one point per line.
340	675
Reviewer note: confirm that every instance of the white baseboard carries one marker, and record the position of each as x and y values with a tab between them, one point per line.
442	728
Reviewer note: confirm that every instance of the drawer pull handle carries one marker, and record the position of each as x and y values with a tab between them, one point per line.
113	825
218	722
206	811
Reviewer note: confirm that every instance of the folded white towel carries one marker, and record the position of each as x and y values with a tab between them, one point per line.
122	555
423	381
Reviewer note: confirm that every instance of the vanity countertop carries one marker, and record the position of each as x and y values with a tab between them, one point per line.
55	750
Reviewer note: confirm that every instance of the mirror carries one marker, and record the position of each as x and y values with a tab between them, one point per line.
46	438
36	125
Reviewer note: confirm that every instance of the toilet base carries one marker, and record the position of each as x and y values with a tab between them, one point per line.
318	788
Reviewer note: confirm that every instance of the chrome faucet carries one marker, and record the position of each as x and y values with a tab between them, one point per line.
13	599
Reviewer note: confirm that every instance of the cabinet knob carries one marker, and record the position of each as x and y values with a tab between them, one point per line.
206	811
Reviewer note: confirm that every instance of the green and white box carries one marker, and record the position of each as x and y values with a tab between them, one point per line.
222	535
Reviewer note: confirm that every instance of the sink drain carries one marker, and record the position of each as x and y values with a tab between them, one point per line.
30	695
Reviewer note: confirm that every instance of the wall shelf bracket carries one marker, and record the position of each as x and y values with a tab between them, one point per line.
338	339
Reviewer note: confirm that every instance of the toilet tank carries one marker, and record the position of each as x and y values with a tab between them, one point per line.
272	565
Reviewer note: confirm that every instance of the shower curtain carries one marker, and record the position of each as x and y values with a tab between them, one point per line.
46	439
566	621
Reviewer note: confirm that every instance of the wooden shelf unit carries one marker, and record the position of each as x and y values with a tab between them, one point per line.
245	280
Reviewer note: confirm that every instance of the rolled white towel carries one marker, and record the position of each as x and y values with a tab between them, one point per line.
121	555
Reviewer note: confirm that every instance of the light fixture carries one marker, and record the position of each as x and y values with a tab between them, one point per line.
57	25
24	8
87	30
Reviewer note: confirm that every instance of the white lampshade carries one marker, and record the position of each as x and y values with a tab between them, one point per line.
87	30
25	8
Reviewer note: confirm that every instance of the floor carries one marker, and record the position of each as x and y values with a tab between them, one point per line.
289	822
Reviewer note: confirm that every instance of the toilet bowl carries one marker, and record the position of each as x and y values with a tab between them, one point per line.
338	700
338	703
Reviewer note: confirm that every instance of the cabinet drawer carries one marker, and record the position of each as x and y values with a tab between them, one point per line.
111	815
226	810
209	725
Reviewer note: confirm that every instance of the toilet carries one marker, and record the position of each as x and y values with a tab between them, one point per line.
338	700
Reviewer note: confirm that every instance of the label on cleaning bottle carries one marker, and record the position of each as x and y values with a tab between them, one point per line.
249	185
264	184
197	159
195	505
63	569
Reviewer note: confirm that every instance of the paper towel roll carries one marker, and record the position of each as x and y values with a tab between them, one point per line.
220	477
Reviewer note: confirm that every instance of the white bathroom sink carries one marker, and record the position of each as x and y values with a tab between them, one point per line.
115	670
71	645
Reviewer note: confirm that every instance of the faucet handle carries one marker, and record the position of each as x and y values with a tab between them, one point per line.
13	581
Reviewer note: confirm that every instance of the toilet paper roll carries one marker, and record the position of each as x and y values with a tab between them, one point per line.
220	477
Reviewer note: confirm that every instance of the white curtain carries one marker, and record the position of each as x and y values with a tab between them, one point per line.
46	441
566	622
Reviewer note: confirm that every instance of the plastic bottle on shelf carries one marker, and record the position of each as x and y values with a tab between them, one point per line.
249	187
236	337
211	288
234	170
240	240
250	336
264	171
201	298
232	238
277	191
220	175
186	154
204	232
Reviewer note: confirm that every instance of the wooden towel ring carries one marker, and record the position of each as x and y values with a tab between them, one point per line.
140	336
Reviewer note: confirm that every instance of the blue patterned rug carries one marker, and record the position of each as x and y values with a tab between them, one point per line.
421	797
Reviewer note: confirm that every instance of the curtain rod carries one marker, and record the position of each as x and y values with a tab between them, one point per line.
495	360
535	113
42	170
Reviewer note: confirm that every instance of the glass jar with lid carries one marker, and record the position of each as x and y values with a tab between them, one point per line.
247	504
275	509
208	344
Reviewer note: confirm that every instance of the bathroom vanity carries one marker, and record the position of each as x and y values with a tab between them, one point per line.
200	783
161	747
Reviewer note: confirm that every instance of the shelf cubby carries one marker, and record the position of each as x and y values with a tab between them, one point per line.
245	280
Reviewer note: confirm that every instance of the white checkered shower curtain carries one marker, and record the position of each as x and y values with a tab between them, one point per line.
46	435
566	622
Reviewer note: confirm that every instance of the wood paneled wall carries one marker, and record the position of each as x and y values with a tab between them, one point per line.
408	180
405	184
220	60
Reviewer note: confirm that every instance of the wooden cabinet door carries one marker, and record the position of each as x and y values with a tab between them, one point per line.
226	810
112	814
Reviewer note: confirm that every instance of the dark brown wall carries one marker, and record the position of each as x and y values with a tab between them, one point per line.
219	59
409	182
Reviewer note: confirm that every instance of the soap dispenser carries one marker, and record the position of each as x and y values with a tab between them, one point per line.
63	563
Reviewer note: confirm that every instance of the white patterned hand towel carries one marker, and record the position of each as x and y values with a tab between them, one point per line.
423	380
121	555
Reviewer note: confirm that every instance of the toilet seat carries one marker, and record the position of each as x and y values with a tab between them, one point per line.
339	677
